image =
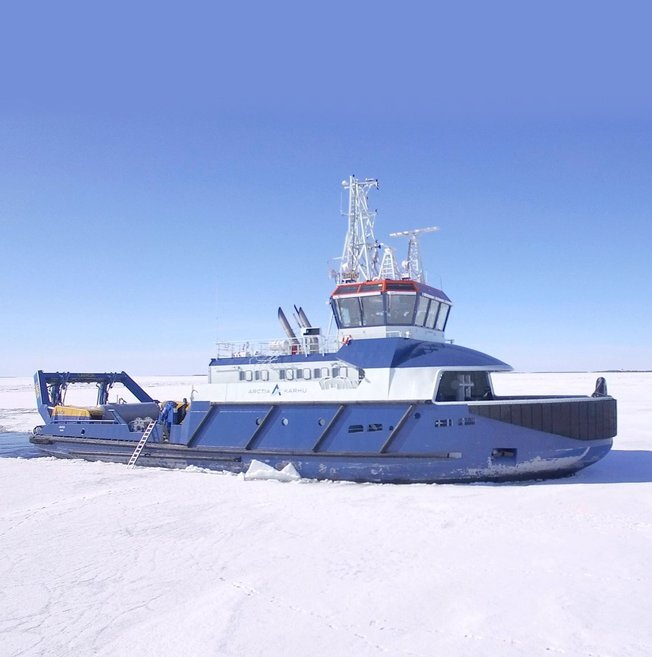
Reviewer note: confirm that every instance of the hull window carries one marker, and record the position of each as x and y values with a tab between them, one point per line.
464	386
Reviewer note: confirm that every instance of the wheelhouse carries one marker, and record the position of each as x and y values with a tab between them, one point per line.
390	303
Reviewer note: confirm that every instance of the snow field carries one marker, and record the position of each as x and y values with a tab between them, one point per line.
102	560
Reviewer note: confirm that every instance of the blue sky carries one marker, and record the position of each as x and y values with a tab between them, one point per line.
170	174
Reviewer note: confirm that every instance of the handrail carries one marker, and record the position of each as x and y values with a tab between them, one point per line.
268	350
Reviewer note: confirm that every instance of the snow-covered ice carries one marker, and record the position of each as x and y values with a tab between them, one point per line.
262	471
102	560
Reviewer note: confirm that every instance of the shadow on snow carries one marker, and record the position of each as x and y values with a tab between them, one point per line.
620	466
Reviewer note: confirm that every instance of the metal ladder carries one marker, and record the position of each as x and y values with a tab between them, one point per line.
141	443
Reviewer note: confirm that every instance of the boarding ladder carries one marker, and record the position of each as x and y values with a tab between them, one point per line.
141	443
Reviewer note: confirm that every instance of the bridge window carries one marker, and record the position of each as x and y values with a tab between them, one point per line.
373	310
390	304
400	286
422	311
442	317
350	288
432	314
400	308
349	312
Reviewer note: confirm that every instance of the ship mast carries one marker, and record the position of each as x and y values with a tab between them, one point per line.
388	265
413	266
360	257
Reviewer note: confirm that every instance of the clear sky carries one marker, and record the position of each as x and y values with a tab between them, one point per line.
170	173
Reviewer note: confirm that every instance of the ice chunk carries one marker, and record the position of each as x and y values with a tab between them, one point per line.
263	471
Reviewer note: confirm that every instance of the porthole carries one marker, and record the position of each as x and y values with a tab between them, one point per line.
417	416
284	422
321	422
259	421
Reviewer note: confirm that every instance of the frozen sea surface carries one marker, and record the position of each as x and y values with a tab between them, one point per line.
102	560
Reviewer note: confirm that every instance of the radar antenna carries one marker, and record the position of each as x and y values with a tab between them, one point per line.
413	267
360	257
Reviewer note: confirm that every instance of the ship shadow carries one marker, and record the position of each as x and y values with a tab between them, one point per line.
620	466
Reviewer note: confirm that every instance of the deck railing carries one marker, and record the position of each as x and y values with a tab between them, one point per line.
272	349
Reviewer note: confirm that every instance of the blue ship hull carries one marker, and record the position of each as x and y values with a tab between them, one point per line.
348	467
387	442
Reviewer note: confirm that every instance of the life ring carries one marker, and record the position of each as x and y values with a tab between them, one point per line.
346	339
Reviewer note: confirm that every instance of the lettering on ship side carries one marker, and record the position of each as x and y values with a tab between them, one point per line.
276	391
